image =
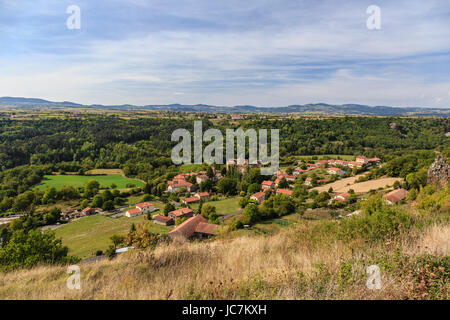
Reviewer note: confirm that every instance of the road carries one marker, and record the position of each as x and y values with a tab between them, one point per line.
226	216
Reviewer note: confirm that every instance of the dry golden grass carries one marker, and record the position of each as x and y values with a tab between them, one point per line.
361	187
435	240
255	267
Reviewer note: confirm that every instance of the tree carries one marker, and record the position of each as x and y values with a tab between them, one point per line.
23	201
27	249
49	195
84	204
206	185
283	184
207	209
108	205
91	188
251	213
107	195
253	188
97	201
209	172
227	186
167	208
116	239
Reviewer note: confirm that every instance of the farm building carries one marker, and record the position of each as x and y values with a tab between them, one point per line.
308	182
258	197
194	227
342	197
190	200
181	213
146	207
201	178
335	171
267	185
285	192
395	196
133	212
178	184
202	195
162	220
88	211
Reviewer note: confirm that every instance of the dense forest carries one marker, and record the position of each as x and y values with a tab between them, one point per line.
141	145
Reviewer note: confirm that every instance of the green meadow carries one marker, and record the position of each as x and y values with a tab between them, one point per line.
58	181
87	235
225	206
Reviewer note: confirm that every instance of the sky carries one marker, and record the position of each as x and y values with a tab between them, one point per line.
227	52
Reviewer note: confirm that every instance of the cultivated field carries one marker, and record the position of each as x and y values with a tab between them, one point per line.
106	171
58	181
346	184
87	235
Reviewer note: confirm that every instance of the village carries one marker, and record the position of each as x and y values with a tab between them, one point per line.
188	192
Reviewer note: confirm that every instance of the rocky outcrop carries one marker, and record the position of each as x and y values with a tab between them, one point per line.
439	172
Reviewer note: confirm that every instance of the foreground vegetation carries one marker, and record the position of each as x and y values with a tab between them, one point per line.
306	260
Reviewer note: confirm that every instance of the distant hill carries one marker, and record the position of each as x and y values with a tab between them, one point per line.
318	108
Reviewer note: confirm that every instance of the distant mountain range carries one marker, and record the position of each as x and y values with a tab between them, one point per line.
317	108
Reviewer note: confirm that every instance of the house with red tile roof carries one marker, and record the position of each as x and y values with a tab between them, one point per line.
362	160
181	213
162	220
267	184
285	191
258	197
395	196
194	227
201	178
308	182
146	207
178	184
289	178
190	200
202	195
321	163
342	197
335	171
133	212
88	211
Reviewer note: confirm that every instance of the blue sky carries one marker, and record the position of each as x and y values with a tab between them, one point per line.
264	53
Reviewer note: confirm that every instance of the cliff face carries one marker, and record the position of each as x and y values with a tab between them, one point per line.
439	172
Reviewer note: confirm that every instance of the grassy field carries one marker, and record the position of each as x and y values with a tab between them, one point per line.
87	235
186	168
58	181
224	206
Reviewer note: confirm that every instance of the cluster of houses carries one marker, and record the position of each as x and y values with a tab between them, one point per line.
204	196
332	164
71	214
241	165
180	181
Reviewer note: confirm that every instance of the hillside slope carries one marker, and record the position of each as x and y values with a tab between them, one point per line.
311	260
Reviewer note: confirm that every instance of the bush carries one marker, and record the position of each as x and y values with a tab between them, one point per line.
111	252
